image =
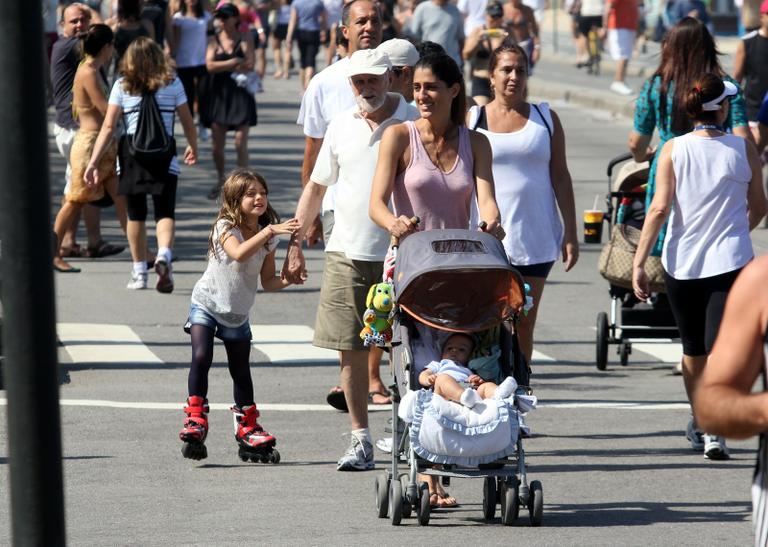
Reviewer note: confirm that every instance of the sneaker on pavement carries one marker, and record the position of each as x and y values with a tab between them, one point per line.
694	435
358	457
138	281
385	445
621	88
164	276
714	447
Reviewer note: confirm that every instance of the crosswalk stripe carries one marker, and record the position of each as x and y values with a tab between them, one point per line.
104	343
290	344
670	352
280	407
538	357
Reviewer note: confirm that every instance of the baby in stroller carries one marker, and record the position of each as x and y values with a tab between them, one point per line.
452	379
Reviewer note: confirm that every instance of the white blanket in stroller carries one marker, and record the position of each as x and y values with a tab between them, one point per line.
449	433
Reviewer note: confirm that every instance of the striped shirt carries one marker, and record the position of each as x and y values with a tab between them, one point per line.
760	482
168	99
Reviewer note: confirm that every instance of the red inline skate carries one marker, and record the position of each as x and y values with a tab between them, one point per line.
255	444
195	429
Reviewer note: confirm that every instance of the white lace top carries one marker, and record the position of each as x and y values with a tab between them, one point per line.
228	288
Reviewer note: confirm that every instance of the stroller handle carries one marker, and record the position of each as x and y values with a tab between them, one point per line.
395	241
617	160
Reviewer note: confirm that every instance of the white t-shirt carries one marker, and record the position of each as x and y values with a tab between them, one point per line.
168	98
524	190
228	288
473	12
708	231
455	370
347	160
328	94
592	8
190	50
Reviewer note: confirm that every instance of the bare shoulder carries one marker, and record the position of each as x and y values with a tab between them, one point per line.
397	134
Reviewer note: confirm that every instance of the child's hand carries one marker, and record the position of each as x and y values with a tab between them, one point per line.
475	380
289	227
427	379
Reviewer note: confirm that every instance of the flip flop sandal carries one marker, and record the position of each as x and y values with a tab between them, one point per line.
386	393
337	400
71	269
442	501
103	249
75	251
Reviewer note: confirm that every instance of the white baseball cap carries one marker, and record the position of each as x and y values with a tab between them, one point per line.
401	52
368	61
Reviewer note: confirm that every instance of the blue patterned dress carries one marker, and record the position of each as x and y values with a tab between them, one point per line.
648	118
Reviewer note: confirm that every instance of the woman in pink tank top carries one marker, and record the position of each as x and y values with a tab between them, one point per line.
432	167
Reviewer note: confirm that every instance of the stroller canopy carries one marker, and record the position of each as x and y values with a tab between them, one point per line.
456	280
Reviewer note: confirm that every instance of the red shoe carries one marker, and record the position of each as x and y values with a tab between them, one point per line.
195	428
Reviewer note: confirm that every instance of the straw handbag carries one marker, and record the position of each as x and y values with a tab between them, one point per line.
615	263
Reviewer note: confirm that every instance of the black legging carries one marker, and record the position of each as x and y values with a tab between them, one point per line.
238	354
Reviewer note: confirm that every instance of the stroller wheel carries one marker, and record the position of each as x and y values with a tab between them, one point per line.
395	502
382	495
624	350
423	508
536	504
407	506
489	497
601	343
510	502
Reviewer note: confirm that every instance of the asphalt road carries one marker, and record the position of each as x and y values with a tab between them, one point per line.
607	446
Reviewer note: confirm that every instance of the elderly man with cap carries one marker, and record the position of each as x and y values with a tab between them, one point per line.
403	55
355	251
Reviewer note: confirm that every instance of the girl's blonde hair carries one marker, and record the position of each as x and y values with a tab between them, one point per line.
232	194
145	68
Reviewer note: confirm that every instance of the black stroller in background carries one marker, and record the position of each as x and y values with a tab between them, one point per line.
629	318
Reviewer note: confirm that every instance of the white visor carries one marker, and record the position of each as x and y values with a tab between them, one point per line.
729	91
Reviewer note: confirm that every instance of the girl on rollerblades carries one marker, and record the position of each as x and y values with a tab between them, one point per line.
241	248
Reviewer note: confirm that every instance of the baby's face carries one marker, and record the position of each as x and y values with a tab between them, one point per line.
457	348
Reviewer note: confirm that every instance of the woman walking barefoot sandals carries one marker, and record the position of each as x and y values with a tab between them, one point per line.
89	105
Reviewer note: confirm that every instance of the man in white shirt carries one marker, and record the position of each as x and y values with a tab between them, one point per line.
473	12
439	21
356	248
403	55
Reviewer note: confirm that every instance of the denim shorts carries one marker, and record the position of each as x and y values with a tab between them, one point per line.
200	316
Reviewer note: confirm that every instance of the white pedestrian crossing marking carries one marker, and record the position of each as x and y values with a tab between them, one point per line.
665	351
104	343
538	357
290	344
288	407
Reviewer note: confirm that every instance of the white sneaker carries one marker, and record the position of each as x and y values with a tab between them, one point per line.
202	133
164	275
621	88
385	445
714	448
694	435
358	457
138	281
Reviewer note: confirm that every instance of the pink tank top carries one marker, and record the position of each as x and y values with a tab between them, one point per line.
440	199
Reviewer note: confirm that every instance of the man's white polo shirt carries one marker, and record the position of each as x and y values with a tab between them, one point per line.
348	159
328	94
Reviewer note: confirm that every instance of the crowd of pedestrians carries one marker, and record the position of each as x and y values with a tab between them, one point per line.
391	132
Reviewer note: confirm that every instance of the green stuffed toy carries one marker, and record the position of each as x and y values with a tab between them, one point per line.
378	325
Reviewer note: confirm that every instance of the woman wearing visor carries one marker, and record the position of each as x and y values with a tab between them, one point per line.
709	184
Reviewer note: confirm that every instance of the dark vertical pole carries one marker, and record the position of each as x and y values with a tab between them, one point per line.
29	329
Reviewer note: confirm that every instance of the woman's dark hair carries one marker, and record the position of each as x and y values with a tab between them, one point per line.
707	88
430	48
508	45
95	38
129	10
448	72
197	11
687	52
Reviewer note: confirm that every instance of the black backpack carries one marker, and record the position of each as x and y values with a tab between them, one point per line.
151	146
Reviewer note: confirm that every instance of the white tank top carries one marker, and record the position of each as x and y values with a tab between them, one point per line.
708	231
524	190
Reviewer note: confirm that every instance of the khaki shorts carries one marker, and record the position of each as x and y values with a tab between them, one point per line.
342	301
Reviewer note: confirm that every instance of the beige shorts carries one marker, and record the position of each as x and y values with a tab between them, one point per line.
342	301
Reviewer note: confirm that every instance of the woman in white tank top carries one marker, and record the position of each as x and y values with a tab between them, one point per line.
532	182
709	183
